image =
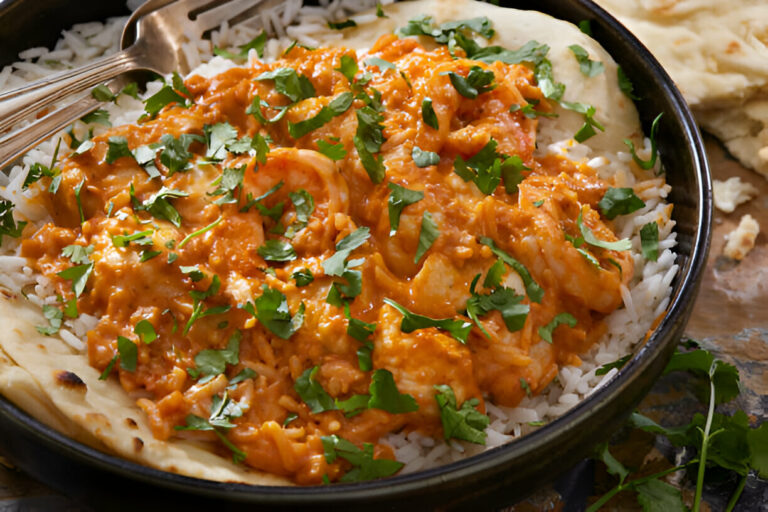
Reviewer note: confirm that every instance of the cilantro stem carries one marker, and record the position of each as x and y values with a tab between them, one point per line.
634	483
199	232
736	494
705	442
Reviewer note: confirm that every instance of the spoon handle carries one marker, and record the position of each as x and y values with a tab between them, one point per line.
20	103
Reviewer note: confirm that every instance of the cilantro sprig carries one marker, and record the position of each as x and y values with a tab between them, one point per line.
459	329
464	422
364	465
224	411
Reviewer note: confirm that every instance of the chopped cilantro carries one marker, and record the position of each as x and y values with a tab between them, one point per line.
333	151
428	114
646	164
526	387
529	110
502	299
424	158
145	331
380	11
159	206
368	140
257	43
147	255
128	353
78	254
336	107
534	291
212	362
254	109
277	250
304	204
117	147
334	266
303	277
380	63
294	86
625	84
459	329
54	316
231	180
399	198
487	167
176	155
649	241
200	232
618	364
587	130
347	67
589	68
342	24
427	236
8	225
194	273
552	90
244	374
589	237
545	331
139	238
165	96
218	137
364	466
103	93
99	116
145	157
385	395
272	311
477	81
586	27
290	418
619	201
465	423
312	392
78	275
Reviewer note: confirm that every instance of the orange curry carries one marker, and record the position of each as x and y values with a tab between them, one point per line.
239	273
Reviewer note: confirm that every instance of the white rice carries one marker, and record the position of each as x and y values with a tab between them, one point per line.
644	300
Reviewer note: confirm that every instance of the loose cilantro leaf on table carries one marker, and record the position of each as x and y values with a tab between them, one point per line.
399	198
466	422
427	236
619	201
620	245
534	291
588	67
545	331
647	164
364	466
459	329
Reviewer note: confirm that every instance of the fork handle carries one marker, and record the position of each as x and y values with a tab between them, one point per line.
17	143
17	104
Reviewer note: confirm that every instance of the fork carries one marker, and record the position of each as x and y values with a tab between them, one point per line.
160	27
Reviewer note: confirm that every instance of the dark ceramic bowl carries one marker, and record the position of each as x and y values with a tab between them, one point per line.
495	478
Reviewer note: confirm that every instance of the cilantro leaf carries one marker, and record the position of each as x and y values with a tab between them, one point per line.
757	440
304	204
478	81
587	130
77	253
552	90
218	137
589	68
78	275
385	396
272	311
424	158
427	236
529	110
230	181
211	362
613	466
159	206
341	24
428	114
257	43
336	107
459	329
380	63
649	241
103	93
372	165
128	353
647	164
99	116
364	465
534	291
465	423
334	266
165	96
176	155
545	331
347	67
117	147
399	198
145	331
277	250
55	316
312	393
487	167
145	157
288	82
620	245
505	301
303	277
619	201
618	364
369	130
625	84
333	151
139	238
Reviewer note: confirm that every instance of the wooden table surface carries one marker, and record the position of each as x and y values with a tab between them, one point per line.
730	318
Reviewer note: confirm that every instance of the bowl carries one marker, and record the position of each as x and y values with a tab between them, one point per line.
494	478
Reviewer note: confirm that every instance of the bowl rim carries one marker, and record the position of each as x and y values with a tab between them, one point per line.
472	467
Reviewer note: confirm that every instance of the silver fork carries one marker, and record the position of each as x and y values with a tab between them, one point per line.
159	28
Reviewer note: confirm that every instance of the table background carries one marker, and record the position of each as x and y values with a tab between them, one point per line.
730	318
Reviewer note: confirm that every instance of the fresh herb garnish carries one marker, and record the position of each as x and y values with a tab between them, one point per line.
342	24
399	198
618	364
223	412
384	394
256	43
212	362
103	93
427	236
175	154
273	313
459	329
464	422
424	158
487	167
478	81
624	244
78	275
218	137
335	266
138	238
529	110
368	140
312	393
165	96
625	84
646	164
117	147
589	68
303	277
145	331
649	241
545	331
364	466
231	180
55	316
158	205
200	232
619	201
428	114
336	107
128	353
534	291
586	27
77	253
288	82
502	299
277	250
333	151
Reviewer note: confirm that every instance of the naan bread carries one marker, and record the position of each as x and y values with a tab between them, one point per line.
54	383
717	53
